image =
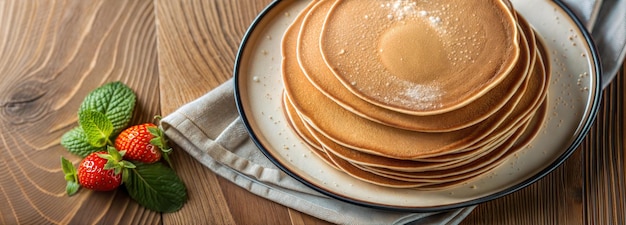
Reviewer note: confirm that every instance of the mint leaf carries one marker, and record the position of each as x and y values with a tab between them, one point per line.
156	187
75	141
70	176
115	100
72	187
97	127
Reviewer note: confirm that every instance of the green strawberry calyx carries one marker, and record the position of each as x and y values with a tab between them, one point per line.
159	140
116	163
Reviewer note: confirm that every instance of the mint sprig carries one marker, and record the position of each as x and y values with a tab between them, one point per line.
76	142
98	128
116	102
71	176
156	187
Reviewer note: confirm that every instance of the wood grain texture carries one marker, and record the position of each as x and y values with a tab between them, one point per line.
605	160
198	41
52	54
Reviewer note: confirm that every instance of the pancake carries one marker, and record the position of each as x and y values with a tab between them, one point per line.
403	165
453	173
290	114
521	116
422	59
295	123
527	136
312	63
435	148
513	144
373	178
364	135
535	92
531	132
369	177
358	157
471	165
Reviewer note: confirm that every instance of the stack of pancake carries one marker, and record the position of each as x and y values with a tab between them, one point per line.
411	93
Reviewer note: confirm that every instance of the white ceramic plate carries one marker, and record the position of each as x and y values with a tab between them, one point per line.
574	96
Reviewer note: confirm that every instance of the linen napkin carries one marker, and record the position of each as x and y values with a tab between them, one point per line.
211	130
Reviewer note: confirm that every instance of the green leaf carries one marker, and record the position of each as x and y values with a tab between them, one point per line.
71	188
75	141
115	100
156	187
70	176
97	127
68	169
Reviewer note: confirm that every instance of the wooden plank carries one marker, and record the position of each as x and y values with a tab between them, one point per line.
555	199
605	163
52	54
198	41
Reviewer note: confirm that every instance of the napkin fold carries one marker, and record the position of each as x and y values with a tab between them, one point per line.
211	130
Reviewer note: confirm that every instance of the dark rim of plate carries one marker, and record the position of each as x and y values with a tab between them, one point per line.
586	126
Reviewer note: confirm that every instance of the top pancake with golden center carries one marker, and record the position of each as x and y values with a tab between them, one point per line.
313	66
420	57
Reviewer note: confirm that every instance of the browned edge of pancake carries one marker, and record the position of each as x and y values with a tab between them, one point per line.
295	123
525	139
466	169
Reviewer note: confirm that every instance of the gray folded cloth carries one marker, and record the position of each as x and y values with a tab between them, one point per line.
211	130
606	20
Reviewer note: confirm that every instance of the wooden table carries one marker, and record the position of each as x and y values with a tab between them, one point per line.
172	51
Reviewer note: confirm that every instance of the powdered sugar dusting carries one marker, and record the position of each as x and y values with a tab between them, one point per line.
411	95
399	9
420	96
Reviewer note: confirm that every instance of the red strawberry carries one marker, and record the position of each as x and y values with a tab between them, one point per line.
99	171
143	143
92	175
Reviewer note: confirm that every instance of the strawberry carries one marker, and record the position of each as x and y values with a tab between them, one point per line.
92	175
144	143
99	171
